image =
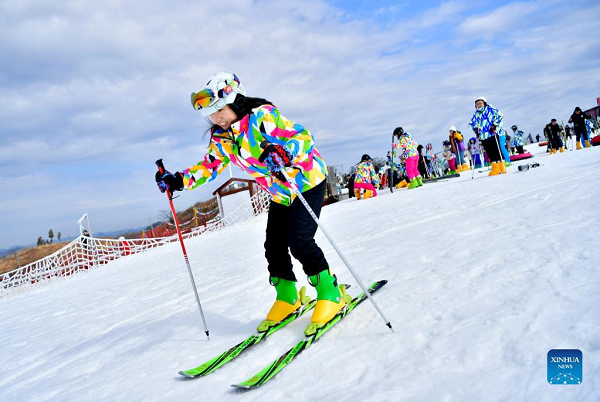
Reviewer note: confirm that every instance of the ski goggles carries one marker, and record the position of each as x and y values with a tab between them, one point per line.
203	99
207	97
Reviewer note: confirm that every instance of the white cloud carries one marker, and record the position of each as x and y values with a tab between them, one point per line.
501	20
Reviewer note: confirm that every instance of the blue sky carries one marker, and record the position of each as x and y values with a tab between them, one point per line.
94	92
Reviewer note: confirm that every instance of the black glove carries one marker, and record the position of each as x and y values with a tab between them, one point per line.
493	129
169	181
276	156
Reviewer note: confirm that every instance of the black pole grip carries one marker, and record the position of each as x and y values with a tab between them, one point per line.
161	167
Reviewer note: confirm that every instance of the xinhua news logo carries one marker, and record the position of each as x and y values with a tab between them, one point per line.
565	366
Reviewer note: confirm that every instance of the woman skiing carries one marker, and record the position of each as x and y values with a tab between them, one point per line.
366	178
252	134
408	148
487	123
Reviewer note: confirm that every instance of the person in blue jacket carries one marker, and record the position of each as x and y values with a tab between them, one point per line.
487	123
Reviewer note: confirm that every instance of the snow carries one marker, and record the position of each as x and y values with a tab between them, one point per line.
486	275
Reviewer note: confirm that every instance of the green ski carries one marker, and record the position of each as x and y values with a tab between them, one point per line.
269	372
229	355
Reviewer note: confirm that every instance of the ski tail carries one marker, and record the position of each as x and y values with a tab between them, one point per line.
227	356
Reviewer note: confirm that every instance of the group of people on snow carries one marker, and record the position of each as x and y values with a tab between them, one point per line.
491	145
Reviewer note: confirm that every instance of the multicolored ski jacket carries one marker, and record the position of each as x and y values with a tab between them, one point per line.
365	173
448	155
517	139
589	125
400	169
474	147
240	145
407	146
488	117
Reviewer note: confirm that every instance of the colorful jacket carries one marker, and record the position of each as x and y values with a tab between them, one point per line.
485	119
407	146
240	144
517	139
400	169
448	155
365	173
589	125
474	147
457	142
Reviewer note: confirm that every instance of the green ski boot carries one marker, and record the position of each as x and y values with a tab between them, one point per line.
288	300
331	298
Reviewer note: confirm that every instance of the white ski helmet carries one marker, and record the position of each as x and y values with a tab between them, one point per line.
452	128
481	98
220	90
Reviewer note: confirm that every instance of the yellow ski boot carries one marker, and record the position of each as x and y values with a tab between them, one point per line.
495	169
331	298
288	300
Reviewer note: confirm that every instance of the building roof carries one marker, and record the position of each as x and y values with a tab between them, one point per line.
233	185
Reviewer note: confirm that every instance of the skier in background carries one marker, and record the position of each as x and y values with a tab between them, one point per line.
555	131
422	166
475	151
530	139
517	139
350	184
403	179
252	134
366	178
449	156
578	119
458	148
408	148
487	123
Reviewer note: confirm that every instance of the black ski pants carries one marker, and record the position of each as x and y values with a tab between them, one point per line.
555	141
581	133
293	228
492	148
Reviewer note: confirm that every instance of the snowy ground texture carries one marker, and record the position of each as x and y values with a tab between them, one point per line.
485	277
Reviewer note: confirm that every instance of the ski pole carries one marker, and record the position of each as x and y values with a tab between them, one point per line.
472	163
499	150
161	169
312	214
392	166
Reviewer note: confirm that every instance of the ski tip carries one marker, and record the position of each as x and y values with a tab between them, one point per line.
185	375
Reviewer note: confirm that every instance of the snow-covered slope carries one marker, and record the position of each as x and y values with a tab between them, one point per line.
485	277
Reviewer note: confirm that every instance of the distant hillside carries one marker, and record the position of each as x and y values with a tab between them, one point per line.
7	251
28	255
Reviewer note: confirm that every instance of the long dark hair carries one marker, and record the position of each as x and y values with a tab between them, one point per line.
241	106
